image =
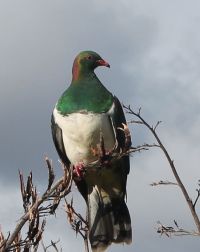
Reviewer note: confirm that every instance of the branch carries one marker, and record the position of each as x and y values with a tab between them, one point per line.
77	222
34	209
198	195
161	182
177	231
53	244
171	163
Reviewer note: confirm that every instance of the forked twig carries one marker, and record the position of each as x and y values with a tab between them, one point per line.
77	222
174	230
163	182
34	209
170	161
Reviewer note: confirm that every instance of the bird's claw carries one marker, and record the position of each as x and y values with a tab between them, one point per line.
79	170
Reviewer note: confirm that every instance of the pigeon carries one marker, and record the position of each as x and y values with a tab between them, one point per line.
87	127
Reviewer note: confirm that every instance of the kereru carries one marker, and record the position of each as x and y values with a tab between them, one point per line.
88	120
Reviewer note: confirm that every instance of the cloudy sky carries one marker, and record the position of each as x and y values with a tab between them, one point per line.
153	47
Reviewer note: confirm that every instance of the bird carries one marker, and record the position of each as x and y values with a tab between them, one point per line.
88	120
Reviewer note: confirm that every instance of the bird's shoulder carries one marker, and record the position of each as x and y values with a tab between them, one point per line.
85	96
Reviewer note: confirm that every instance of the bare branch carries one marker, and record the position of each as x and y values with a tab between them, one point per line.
198	195
53	244
51	173
176	231
35	209
154	128
162	182
135	121
77	222
171	163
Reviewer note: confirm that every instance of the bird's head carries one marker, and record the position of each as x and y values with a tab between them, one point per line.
85	63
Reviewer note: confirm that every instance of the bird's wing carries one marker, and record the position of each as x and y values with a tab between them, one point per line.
118	120
108	216
58	141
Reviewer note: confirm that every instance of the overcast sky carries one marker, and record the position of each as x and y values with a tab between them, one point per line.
153	47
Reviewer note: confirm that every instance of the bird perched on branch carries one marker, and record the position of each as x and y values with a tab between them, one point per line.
87	125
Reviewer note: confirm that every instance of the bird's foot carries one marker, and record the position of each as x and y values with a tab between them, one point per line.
79	170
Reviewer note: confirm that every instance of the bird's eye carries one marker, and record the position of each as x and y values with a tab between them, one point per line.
89	57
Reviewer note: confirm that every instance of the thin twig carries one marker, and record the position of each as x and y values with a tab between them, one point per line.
51	172
171	163
33	208
77	222
176	231
198	195
161	182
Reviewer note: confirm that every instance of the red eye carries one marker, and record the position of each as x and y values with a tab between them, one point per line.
89	57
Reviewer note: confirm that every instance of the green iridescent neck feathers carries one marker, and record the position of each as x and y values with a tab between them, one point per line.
86	92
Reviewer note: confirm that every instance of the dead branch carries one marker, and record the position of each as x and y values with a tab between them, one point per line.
198	194
163	182
50	172
77	222
35	207
53	245
153	129
174	230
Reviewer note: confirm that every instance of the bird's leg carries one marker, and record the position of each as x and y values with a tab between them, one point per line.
79	170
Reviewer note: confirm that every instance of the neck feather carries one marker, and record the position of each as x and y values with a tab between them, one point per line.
75	71
78	72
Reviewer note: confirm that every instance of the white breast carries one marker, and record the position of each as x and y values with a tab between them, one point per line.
81	134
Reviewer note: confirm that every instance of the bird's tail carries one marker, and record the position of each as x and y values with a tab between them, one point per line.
109	220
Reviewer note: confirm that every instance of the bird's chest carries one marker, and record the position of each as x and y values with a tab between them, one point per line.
81	135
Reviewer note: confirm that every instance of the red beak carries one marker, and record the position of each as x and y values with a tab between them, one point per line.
102	62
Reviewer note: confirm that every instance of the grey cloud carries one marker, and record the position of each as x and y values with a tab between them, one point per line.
153	50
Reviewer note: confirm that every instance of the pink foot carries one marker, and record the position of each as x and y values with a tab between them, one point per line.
79	170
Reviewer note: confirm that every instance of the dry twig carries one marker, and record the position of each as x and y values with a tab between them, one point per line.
174	230
35	208
163	182
153	129
77	222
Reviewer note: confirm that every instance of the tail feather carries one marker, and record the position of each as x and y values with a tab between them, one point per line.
109	220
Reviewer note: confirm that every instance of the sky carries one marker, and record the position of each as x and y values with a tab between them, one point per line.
153	47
